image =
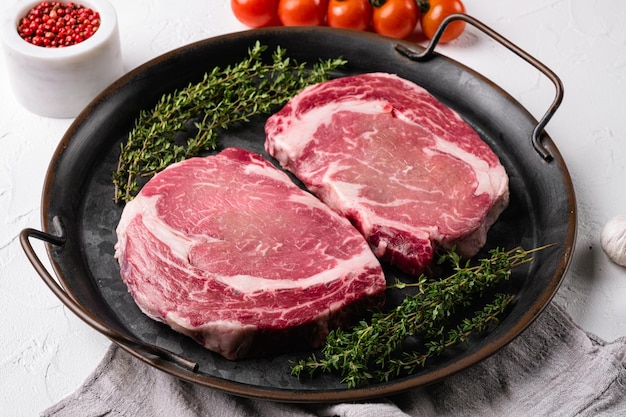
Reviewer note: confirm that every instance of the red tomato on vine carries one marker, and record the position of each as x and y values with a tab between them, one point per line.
437	12
302	12
396	18
255	13
349	14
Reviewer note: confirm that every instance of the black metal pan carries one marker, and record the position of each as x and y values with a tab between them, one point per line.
79	216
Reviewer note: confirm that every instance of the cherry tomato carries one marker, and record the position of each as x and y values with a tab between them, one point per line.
349	14
439	10
302	12
396	18
255	13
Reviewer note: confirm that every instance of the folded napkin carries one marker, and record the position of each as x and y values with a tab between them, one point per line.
553	369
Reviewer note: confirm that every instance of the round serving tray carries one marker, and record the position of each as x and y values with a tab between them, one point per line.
79	216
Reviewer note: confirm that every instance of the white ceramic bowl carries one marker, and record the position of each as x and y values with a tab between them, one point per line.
60	82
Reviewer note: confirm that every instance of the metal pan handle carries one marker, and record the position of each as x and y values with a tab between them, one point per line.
128	343
428	53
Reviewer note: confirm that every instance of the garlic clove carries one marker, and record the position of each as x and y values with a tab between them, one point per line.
613	239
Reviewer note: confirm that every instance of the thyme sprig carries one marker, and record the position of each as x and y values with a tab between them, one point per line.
374	350
224	97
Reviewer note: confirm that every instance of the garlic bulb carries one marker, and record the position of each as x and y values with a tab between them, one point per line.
613	239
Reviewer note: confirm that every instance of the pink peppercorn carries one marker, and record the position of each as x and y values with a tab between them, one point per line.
54	24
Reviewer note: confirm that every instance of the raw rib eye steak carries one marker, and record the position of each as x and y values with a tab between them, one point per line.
227	250
405	169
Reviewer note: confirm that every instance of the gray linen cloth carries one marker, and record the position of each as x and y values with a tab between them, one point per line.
553	369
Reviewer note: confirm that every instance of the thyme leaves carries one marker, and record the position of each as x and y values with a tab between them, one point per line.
375	350
223	98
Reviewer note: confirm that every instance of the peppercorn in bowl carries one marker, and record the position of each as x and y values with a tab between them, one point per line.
60	55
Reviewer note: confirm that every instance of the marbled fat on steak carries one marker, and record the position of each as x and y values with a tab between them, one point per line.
227	250
405	169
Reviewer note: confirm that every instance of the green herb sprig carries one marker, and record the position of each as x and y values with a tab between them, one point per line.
372	351
224	97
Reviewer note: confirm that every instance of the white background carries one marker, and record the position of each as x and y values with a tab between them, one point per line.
46	352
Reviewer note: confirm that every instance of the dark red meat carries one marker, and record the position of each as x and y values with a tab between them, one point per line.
405	169
227	250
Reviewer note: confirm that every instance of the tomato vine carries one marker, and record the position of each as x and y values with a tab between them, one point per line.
394	18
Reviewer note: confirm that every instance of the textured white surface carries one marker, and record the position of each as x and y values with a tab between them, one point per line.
46	352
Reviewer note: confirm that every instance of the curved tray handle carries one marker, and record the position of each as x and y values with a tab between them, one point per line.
428	53
76	308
